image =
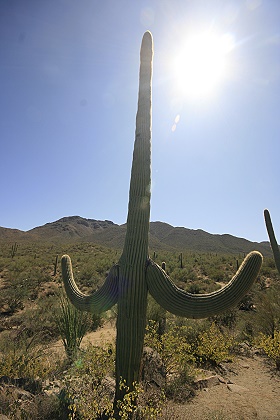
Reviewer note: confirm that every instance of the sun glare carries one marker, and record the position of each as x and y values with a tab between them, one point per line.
202	63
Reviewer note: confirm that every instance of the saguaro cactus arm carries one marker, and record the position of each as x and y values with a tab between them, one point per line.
272	238
181	303
101	300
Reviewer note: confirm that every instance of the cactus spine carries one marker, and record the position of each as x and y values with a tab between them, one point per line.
135	274
272	238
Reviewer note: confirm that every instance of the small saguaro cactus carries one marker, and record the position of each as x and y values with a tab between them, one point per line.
181	260
129	281
14	249
55	266
272	238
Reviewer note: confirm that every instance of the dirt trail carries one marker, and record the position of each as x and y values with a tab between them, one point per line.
253	394
106	334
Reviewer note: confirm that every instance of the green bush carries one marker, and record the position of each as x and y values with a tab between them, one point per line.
213	346
271	346
173	347
88	387
24	358
73	325
267	318
176	353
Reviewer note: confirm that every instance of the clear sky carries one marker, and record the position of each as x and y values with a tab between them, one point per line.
68	96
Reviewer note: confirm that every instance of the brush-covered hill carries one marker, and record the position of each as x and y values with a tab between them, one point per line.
107	233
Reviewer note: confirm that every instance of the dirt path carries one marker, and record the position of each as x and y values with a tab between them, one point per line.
106	334
254	393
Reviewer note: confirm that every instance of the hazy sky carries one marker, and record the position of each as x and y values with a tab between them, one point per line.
68	96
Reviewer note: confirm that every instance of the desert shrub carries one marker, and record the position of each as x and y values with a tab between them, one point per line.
25	359
13	296
176	353
193	288
245	327
271	346
268	268
96	321
173	347
157	315
191	327
96	402
267	317
149	404
226	319
34	407
216	273
72	325
213	346
87	392
185	345
180	275
40	320
179	388
192	342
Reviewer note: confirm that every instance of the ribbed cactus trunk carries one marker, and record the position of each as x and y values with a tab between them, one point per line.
133	290
128	282
272	239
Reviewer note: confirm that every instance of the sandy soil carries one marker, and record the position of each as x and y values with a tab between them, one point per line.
105	334
251	391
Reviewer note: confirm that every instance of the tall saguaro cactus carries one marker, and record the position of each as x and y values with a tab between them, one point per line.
129	282
272	238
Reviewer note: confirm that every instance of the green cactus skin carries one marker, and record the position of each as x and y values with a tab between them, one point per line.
135	274
272	238
188	305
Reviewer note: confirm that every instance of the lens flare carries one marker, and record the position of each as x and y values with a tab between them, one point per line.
202	63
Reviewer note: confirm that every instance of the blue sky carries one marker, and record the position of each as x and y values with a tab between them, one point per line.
69	83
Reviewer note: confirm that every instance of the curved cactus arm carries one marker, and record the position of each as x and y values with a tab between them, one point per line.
272	238
181	303
101	300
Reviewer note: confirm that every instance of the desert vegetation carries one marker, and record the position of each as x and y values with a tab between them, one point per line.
78	382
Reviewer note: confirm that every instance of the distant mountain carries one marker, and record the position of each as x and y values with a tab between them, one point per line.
107	233
199	240
11	234
72	227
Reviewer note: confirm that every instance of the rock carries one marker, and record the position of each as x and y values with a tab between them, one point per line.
208	382
109	384
52	387
23	395
153	371
223	368
244	366
237	388
31	385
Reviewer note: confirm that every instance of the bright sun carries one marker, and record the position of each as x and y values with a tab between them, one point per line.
202	64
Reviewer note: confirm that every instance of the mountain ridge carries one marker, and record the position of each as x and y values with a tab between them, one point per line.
110	234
